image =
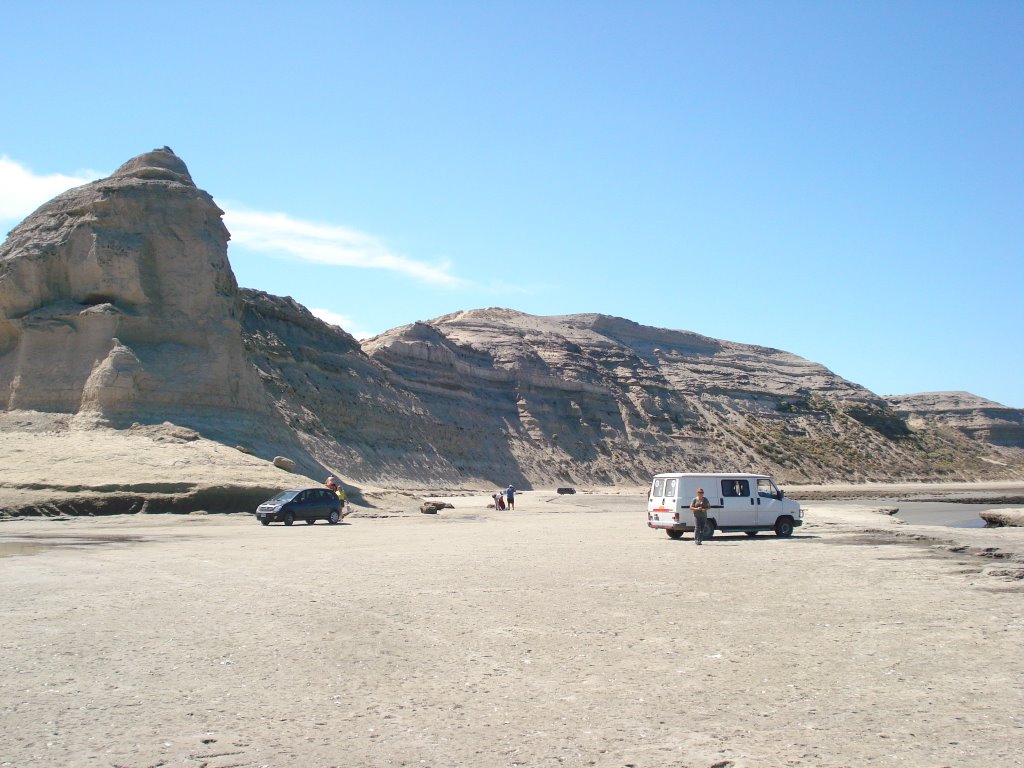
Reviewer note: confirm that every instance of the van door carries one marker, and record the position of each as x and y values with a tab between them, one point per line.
737	502
672	493
769	502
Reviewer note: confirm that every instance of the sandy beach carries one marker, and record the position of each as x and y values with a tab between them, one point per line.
565	633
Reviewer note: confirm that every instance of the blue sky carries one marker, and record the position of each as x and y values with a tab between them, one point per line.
844	181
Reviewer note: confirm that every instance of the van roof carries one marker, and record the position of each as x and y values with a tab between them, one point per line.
715	475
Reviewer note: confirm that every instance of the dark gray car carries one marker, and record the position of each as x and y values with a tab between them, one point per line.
309	504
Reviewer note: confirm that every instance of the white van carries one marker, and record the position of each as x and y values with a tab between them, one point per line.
739	502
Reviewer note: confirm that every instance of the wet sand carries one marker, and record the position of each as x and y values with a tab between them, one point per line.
565	633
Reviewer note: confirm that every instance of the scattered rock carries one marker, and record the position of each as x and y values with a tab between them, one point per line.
433	507
284	463
999	518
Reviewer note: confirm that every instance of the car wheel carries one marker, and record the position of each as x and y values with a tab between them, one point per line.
335	517
784	527
289	518
265	521
674	534
751	533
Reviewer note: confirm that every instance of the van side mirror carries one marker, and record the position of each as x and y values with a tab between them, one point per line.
781	493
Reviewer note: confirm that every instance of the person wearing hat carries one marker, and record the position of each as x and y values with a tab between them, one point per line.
699	506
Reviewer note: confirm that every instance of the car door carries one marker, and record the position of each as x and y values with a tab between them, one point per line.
306	507
327	499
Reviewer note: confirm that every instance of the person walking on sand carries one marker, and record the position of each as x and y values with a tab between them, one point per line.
510	496
699	506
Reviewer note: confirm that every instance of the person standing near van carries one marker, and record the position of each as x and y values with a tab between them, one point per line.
699	506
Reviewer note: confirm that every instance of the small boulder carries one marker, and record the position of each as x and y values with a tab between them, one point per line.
432	507
998	518
284	463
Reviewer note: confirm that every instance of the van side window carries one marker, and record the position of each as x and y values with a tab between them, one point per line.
670	487
658	489
766	489
735	488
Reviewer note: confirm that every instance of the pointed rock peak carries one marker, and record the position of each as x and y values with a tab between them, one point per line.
160	164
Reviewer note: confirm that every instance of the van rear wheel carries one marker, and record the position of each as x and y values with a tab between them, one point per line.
674	534
784	527
709	530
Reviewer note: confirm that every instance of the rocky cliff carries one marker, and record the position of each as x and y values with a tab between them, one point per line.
977	418
118	307
598	399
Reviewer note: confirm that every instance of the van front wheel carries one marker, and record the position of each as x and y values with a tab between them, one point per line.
784	527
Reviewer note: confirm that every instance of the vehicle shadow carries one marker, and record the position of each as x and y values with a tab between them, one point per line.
736	537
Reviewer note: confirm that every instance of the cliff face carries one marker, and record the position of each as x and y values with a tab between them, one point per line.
118	305
977	418
592	398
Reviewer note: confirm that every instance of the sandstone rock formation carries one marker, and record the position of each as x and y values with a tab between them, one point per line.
117	303
119	311
974	416
1000	518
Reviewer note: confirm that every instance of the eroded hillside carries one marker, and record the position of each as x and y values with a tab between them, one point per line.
119	311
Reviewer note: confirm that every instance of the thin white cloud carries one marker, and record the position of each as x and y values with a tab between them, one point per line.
342	321
22	191
283	235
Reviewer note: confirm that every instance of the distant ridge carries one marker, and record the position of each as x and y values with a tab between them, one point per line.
118	306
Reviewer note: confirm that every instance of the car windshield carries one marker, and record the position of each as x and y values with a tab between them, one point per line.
282	497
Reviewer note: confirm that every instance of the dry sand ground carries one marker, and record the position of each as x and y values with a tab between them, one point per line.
562	634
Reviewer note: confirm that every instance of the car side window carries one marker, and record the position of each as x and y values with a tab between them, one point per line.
302	497
735	488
